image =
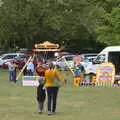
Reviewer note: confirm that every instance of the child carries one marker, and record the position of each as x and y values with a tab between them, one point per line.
40	89
40	96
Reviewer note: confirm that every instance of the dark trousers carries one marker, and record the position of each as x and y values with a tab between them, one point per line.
40	97
29	73
25	72
12	76
52	98
40	105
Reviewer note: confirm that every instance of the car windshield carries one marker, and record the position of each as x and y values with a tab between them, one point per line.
21	57
69	58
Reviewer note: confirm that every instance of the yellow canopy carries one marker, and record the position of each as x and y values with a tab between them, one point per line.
46	46
44	50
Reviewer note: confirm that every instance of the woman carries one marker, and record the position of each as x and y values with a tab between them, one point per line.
52	85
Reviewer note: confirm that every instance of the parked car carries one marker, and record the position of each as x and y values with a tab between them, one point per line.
8	57
64	62
20	61
89	56
64	54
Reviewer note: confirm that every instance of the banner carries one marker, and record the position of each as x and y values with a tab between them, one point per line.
30	80
105	74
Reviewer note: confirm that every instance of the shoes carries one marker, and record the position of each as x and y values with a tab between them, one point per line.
40	112
53	112
50	113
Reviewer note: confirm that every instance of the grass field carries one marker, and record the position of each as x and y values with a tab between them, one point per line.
74	103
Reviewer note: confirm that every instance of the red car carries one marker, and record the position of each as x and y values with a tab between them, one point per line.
20	61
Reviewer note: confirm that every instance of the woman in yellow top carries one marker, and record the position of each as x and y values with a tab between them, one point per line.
51	84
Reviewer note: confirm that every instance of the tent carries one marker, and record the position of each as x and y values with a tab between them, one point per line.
46	46
42	47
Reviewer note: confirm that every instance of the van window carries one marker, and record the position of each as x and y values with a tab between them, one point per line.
100	58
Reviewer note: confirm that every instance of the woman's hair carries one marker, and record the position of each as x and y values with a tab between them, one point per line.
51	66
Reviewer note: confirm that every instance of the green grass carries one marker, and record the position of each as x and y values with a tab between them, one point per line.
74	103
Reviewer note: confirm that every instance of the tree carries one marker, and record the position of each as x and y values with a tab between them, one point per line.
109	26
70	23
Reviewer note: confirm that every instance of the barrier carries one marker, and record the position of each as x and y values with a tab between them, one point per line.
76	81
30	80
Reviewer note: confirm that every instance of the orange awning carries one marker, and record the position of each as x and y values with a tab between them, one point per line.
46	45
45	50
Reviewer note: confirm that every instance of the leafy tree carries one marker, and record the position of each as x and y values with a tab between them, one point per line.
69	23
108	25
109	32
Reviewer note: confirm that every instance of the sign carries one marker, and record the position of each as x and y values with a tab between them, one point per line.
46	44
105	74
30	80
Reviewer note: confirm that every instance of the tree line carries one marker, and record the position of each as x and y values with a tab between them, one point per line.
77	25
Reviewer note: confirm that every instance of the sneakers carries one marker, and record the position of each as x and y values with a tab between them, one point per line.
53	112
49	113
40	112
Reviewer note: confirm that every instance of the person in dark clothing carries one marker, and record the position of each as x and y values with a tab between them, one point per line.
25	69
40	89
40	97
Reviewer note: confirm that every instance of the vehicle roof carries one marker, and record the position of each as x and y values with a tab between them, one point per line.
68	55
11	54
112	48
89	54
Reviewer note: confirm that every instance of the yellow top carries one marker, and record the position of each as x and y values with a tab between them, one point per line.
49	74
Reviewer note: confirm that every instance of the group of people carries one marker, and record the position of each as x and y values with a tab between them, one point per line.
48	83
28	70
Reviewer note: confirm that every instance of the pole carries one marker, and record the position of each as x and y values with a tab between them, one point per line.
68	65
23	67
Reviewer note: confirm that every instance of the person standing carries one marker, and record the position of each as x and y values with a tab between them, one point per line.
25	69
40	96
40	88
30	68
52	79
12	71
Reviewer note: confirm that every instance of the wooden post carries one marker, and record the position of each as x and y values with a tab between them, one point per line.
68	66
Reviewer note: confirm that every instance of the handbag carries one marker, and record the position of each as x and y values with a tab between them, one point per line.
56	81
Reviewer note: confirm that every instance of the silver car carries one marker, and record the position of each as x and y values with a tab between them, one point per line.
64	62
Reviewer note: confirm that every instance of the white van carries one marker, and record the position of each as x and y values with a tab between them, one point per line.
109	54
